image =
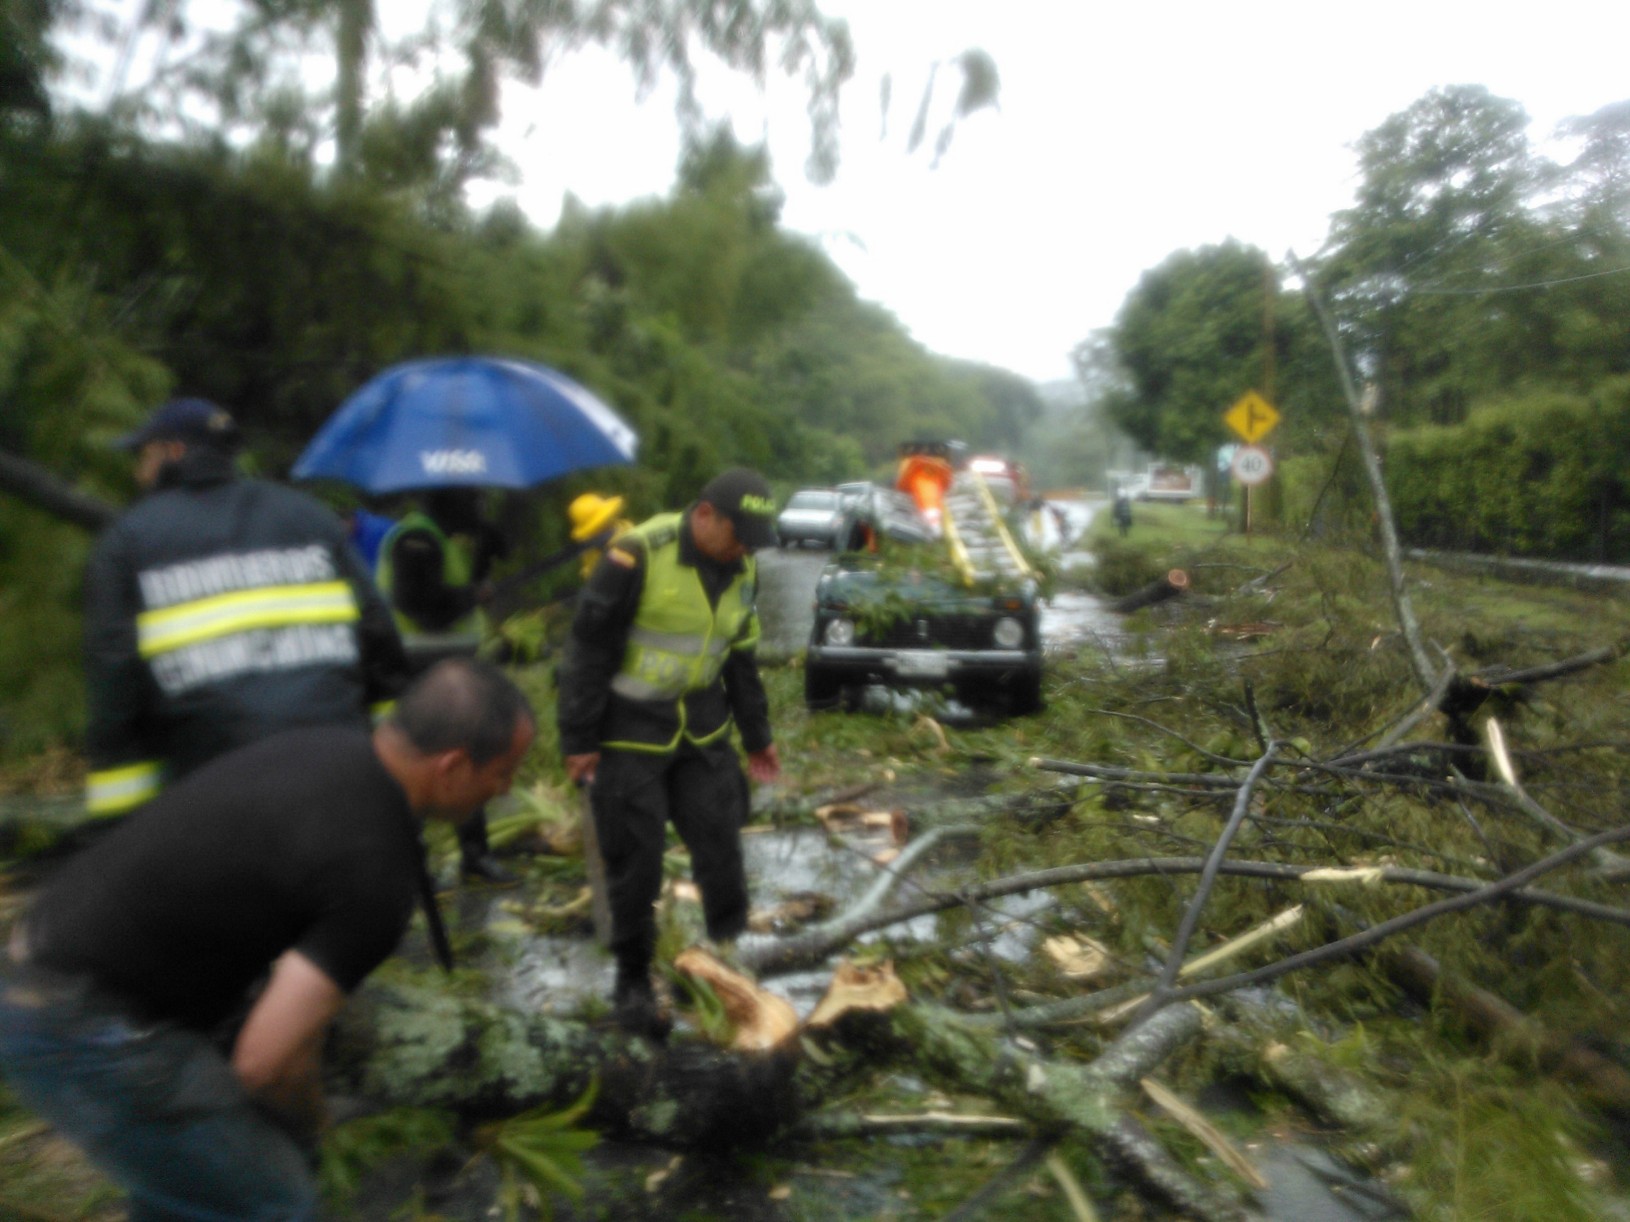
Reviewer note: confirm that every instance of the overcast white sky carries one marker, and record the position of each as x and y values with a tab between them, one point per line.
1126	131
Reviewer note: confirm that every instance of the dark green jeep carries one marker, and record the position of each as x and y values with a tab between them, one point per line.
880	618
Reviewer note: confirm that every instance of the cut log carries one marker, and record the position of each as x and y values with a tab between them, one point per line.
1171	585
762	1021
856	988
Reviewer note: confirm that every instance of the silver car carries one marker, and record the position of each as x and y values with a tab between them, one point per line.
814	515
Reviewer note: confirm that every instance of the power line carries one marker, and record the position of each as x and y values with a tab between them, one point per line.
1517	288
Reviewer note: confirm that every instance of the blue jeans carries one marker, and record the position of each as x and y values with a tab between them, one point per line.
156	1107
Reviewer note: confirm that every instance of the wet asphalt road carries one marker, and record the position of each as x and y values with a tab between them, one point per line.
786	599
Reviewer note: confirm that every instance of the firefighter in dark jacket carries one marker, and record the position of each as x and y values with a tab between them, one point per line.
219	611
433	567
659	666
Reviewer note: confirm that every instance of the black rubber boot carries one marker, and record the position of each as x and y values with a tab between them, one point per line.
484	867
635	1006
475	858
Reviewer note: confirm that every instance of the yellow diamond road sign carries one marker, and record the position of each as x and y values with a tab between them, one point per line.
1253	417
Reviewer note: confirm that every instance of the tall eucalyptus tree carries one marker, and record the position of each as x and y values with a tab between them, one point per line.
1440	223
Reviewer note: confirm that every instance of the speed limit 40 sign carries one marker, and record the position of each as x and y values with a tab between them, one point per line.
1252	465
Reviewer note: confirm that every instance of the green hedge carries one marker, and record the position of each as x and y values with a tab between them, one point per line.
1545	474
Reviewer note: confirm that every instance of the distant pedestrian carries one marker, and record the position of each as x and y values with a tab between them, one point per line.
1123	511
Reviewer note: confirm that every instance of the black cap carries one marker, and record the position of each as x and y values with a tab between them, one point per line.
743	497
196	421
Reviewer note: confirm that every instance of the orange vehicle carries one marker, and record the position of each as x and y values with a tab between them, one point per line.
925	472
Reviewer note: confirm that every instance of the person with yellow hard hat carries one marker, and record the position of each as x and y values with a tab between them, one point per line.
594	524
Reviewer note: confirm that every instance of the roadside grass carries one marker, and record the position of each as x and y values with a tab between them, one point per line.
1161	528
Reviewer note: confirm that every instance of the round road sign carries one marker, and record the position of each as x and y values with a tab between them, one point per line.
1251	465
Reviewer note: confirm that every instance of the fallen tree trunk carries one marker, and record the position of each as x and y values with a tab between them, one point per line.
398	1046
1082	1100
37	486
1518	1037
1175	582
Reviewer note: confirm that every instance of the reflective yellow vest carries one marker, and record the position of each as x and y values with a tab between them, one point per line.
456	566
678	642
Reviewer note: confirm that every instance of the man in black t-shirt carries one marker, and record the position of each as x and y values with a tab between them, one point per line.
299	854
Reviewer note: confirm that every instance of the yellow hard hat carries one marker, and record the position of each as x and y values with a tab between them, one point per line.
590	513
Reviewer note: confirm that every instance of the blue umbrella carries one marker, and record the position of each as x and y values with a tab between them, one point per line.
465	421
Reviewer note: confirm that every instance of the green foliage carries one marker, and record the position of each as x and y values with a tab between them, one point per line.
1323	495
1192	337
1538	475
68	384
352	1149
1500	1148
1121	568
707	1011
541	1149
1440	215
26	56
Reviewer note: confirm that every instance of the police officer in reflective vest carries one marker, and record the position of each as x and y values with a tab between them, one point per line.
659	666
219	611
433	570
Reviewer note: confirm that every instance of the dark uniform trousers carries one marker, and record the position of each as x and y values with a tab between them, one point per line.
635	794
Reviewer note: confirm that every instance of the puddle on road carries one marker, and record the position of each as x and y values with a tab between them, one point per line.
1072	619
559	973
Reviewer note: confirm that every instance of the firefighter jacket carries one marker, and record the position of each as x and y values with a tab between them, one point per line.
219	611
662	648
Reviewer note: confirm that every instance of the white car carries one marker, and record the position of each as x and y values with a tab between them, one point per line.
814	515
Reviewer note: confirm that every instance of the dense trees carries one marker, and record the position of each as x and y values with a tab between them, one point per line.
1470	273
1196	333
131	268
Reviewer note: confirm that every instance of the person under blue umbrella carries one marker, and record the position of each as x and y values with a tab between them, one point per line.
433	568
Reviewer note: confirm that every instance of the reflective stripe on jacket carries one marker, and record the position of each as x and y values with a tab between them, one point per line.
112	791
678	641
219	611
